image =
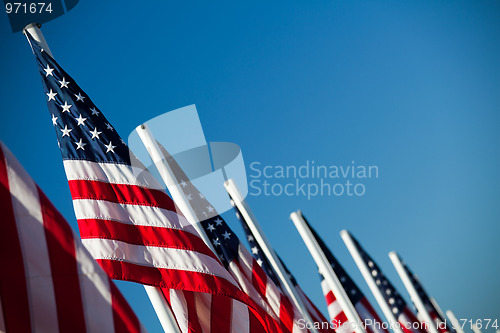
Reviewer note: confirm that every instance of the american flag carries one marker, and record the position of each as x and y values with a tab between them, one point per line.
405	317
365	310
236	258
49	282
263	261
431	309
126	219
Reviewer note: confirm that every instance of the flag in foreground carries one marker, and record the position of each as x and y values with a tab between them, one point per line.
361	304
129	223
49	282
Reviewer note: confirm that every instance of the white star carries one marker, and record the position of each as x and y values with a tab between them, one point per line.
255	250
259	261
65	130
189	197
378	282
226	235
66	107
52	95
216	242
250	238
109	126
95	133
80	144
183	183
48	71
388	291
211	227
81	120
353	292
110	147
374	273
370	263
79	97
54	119
391	300
218	221
210	209
64	83
94	112
395	310
201	196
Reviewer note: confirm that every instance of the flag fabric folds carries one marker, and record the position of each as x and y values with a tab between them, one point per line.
429	306
405	317
129	224
263	261
235	257
363	307
49	282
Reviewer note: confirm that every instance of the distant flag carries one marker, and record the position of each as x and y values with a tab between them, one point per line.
416	290
236	258
361	304
263	261
388	298
49	282
126	219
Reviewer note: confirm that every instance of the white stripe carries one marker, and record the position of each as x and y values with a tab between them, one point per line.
179	308
130	214
273	296
159	257
111	173
96	294
203	306
240	321
28	215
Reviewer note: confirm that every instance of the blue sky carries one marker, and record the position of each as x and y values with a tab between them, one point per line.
412	87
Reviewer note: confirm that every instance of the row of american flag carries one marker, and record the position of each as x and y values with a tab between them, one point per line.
131	229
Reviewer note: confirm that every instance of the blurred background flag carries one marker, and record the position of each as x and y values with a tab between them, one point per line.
396	310
49	282
361	304
427	310
263	261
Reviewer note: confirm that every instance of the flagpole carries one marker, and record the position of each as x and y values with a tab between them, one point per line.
417	300
263	242
327	271
36	33
170	181
476	329
454	321
162	309
365	271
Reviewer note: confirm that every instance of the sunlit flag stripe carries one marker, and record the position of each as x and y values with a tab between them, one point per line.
60	288
93	152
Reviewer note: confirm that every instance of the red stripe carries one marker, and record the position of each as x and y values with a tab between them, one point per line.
172	279
221	305
143	235
330	298
286	314
259	278
13	289
124	318
120	193
63	265
194	325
